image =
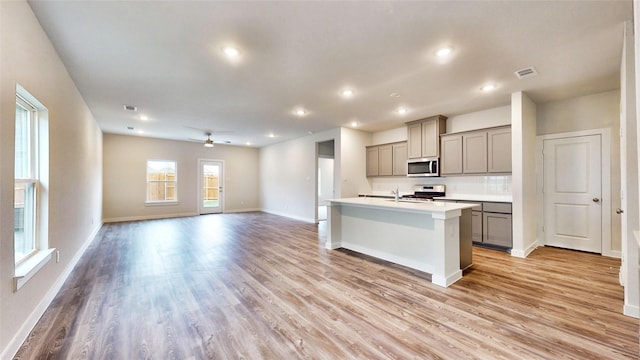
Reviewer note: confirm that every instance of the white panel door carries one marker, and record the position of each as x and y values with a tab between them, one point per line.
572	193
210	184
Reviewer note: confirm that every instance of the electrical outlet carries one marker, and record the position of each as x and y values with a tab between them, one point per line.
58	256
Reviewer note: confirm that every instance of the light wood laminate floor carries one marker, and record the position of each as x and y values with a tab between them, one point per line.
260	286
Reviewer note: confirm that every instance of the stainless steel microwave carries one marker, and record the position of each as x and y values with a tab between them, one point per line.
423	167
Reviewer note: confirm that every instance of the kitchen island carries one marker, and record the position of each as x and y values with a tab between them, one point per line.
433	237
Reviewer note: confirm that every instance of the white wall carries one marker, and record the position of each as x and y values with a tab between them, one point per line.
125	165
353	163
480	119
288	185
629	175
75	162
390	136
595	111
523	145
287	175
325	175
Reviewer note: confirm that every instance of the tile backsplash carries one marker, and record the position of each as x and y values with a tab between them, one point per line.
459	185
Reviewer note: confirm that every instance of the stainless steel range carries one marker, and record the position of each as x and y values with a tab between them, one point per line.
425	193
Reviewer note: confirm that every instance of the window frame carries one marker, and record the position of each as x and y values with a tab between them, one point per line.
166	183
27	266
32	179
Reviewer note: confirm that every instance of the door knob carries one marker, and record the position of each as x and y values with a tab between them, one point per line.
596	200
619	211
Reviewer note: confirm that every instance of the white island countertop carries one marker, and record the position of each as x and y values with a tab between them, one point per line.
439	208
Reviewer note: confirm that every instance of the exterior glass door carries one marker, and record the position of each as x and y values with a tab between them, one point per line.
211	196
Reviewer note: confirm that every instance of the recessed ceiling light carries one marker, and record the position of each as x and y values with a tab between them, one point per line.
144	117
300	112
248	143
271	135
443	52
396	95
231	52
354	124
402	110
347	93
140	132
488	87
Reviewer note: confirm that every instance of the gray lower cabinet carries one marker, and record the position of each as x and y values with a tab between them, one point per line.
476	221
476	226
491	223
497	224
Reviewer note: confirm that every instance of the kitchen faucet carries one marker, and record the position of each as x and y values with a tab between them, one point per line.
396	193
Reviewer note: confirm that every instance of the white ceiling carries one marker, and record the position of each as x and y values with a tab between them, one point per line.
166	59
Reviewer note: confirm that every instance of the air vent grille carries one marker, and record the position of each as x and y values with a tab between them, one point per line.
130	108
526	72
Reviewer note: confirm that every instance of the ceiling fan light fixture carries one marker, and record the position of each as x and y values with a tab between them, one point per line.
208	143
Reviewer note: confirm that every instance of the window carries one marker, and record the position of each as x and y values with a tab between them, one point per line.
31	183
162	181
26	180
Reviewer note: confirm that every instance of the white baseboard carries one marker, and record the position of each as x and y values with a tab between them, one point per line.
613	253
524	253
18	339
290	216
632	311
148	217
241	210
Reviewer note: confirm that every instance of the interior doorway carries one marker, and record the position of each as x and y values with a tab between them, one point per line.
210	178
325	177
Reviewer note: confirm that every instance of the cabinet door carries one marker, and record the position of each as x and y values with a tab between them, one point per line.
430	137
372	161
474	153
476	226
496	229
385	160
414	141
400	159
499	150
451	151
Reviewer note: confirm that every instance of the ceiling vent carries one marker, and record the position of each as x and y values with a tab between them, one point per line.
526	72
130	108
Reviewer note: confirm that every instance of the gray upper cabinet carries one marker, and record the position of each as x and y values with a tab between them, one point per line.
372	161
414	140
387	159
499	150
400	159
476	152
423	137
451	160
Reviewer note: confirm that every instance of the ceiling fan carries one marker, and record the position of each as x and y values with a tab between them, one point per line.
209	143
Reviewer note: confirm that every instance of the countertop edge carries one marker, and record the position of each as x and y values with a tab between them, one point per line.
420	207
